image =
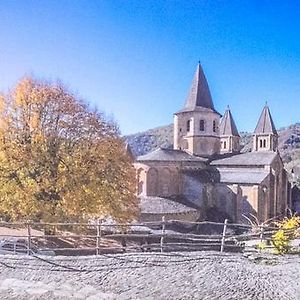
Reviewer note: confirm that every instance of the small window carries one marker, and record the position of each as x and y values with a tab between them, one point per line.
202	127
265	143
180	129
260	143
188	125
225	146
214	126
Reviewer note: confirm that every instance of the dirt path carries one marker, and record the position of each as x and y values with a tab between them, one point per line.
201	275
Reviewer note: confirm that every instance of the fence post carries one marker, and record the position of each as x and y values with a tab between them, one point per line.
29	238
261	236
163	232
98	239
223	235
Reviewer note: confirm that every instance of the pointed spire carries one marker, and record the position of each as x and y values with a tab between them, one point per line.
265	123
227	126
199	94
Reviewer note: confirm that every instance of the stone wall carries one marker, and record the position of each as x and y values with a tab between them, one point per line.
230	144
193	189
197	132
157	179
249	199
227	200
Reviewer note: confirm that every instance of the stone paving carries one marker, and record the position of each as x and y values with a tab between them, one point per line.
198	275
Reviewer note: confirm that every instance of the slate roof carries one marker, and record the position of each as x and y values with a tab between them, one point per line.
199	94
227	126
197	109
163	154
265	123
203	175
236	176
247	159
159	205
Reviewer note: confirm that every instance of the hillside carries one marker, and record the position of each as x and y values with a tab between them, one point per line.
147	141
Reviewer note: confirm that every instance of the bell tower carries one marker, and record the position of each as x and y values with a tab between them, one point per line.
265	137
196	126
230	138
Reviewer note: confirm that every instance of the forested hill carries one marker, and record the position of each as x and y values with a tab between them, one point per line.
147	141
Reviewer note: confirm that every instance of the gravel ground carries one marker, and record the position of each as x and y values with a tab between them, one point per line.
200	275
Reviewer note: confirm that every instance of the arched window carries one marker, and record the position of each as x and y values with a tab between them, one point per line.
152	182
265	143
225	145
202	125
188	125
165	182
214	126
260	143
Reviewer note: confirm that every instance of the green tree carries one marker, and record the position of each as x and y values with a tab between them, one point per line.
60	160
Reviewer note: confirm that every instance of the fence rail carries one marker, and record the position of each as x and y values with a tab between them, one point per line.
126	237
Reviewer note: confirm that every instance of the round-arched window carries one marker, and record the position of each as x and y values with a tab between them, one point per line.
202	125
188	125
214	126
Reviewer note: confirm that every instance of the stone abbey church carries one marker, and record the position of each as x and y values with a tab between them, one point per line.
204	176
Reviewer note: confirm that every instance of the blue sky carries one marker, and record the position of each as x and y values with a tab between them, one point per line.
135	59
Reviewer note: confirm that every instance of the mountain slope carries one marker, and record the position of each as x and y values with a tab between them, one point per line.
147	141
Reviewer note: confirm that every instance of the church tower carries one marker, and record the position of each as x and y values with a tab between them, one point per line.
265	137
229	135
196	126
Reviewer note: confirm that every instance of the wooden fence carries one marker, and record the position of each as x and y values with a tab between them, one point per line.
110	238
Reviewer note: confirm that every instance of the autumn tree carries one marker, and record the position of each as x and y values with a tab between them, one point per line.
60	160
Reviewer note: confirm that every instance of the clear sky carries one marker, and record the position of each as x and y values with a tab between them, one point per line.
135	59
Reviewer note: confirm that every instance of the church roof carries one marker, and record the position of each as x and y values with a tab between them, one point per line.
159	205
199	94
162	154
242	176
247	159
265	123
227	126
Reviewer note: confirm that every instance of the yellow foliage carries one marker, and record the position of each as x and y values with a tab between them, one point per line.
59	160
288	231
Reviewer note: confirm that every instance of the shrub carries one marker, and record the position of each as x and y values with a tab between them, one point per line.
289	229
